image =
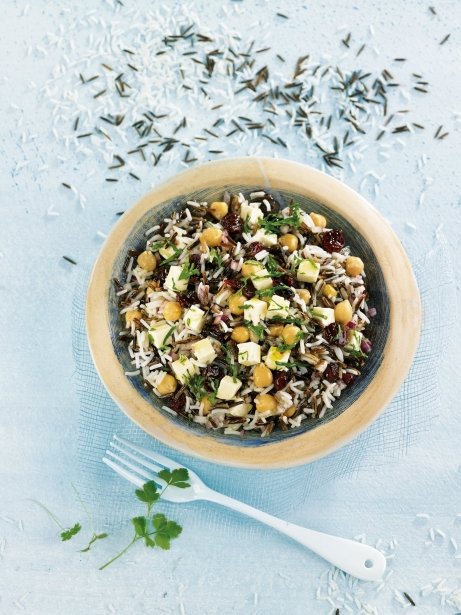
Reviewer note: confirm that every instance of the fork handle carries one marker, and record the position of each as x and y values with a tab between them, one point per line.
355	558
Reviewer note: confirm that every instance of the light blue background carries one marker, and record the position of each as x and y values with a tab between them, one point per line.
217	573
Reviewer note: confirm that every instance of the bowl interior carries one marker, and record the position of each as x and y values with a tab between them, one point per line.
377	331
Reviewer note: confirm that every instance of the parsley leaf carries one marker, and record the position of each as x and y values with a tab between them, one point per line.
188	270
176	478
148	493
70	532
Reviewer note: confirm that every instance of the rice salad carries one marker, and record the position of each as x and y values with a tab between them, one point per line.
244	315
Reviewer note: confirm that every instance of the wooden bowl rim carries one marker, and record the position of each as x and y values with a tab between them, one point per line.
400	348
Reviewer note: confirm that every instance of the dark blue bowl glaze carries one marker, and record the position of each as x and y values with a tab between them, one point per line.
377	331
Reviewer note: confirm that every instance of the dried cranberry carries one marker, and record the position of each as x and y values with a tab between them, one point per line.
215	332
278	254
281	379
233	283
348	377
286	293
215	370
194	259
254	248
233	223
177	402
248	291
288	280
187	299
331	373
365	346
330	333
333	241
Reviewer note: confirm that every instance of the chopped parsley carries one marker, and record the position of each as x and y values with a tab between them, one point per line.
188	270
258	330
173	257
216	256
272	222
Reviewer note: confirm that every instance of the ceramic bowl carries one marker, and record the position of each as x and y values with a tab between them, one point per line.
394	331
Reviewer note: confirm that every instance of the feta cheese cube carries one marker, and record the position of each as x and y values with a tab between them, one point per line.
249	353
275	356
354	340
255	310
308	271
267	239
325	316
261	279
250	212
194	319
240	410
158	334
228	388
184	368
204	351
167	251
173	282
278	306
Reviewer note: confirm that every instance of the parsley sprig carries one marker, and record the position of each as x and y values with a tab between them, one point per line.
155	530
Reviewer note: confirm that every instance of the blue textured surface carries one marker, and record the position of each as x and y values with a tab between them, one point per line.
233	567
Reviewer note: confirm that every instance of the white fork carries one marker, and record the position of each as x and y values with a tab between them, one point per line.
139	465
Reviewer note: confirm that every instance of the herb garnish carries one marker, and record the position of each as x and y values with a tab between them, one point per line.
66	533
230	360
272	222
155	530
216	256
173	257
258	330
188	270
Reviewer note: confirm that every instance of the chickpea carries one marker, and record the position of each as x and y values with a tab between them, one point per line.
354	266
147	261
276	330
249	269
172	311
206	405
265	403
343	312
262	376
304	294
219	209
235	303
240	335
290	241
318	220
211	237
329	291
291	334
167	385
130	316
290	411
